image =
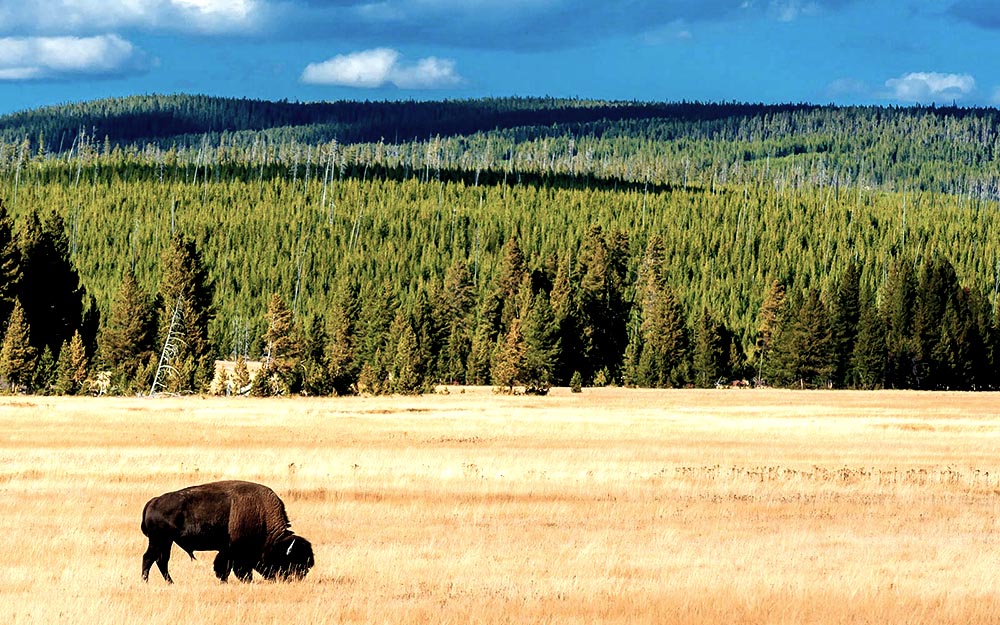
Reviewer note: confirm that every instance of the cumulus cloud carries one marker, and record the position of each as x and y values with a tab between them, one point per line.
59	58
924	87
380	67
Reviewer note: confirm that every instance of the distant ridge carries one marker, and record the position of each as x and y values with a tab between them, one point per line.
167	119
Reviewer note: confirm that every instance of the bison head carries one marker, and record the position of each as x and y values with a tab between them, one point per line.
289	558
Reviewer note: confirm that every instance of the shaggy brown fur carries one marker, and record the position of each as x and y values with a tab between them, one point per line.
245	522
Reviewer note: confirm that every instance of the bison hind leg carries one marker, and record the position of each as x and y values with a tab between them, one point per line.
159	553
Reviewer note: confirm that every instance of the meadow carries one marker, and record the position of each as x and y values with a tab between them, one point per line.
610	506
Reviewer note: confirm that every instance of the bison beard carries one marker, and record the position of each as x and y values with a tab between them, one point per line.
245	522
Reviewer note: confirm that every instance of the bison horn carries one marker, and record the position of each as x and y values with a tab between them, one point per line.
290	545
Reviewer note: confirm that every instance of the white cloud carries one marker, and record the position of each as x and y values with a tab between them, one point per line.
922	87
79	17
32	58
429	73
380	67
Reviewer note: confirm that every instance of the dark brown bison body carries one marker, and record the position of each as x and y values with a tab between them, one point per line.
245	522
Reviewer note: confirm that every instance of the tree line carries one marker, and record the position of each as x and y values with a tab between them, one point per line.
596	317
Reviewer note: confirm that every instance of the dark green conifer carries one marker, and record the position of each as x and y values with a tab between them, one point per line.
283	347
541	344
49	288
665	342
10	265
708	351
898	310
17	355
868	359
845	316
126	342
185	286
802	345
406	369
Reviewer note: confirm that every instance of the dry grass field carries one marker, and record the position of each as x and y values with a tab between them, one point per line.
610	506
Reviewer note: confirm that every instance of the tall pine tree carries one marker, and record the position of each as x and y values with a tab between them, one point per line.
17	355
127	340
283	348
186	287
49	289
10	265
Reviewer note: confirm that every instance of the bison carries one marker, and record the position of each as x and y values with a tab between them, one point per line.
245	522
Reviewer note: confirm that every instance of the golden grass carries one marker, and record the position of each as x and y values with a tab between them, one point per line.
611	506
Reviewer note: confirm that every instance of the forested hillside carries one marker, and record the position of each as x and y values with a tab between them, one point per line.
528	242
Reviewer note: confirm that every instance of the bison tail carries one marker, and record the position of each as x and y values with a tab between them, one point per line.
145	530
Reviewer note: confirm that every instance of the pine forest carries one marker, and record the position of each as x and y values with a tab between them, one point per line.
388	247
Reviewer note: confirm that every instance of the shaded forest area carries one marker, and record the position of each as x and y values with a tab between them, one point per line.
519	243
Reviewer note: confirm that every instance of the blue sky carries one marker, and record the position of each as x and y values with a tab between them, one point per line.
820	51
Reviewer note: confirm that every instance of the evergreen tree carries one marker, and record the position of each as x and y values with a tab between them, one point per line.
845	316
71	369
126	340
984	357
315	365
10	265
342	363
428	337
565	311
454	306
633	351
90	326
406	369
513	271
43	381
378	310
283	351
603	313
869	357
802	345
768	321
899	303
372	379
49	289
708	353
241	375
541	345
185	285
485	339
663	360
508	364
651	279
17	356
935	303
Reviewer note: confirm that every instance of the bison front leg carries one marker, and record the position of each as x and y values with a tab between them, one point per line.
243	571
222	565
159	553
